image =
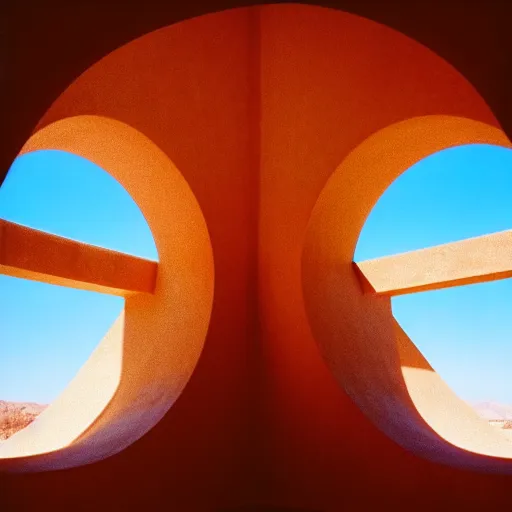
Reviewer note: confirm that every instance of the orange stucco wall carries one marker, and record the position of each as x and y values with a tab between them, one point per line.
328	82
257	108
188	90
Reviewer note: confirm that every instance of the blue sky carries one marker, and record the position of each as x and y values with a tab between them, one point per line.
48	332
466	332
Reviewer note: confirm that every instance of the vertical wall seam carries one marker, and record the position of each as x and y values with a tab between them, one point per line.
256	435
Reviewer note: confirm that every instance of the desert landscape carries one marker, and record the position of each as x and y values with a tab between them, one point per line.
15	416
498	415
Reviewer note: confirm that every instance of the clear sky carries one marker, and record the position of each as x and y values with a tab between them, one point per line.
46	332
464	332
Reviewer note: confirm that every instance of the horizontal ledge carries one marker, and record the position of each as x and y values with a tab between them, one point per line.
32	254
474	260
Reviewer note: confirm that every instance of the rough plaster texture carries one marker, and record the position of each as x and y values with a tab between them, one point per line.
267	112
476	260
32	254
369	363
162	333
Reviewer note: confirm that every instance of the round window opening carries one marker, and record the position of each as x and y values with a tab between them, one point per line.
90	274
390	224
439	243
49	331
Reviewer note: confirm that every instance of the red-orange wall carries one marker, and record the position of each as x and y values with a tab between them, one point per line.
188	90
262	419
329	80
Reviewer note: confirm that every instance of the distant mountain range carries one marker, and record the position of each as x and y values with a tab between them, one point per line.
492	410
17	415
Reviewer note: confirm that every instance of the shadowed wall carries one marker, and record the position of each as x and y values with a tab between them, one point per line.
257	108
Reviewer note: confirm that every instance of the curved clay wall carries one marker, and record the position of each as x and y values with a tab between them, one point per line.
257	108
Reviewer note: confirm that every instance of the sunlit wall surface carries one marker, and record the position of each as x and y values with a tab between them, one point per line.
464	332
47	331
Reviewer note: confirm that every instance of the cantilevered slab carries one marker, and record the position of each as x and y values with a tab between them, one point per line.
475	260
31	254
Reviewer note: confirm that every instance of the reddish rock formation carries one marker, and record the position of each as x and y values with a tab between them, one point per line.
15	416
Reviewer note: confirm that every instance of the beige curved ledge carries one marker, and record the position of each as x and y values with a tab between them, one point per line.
32	254
76	408
140	368
351	318
444	412
475	260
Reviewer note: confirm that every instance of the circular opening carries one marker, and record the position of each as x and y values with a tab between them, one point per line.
143	363
50	331
348	303
463	330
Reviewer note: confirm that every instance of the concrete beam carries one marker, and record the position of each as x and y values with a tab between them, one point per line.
31	254
475	260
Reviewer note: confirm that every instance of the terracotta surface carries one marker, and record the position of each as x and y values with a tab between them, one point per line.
31	254
356	331
287	123
475	260
72	412
121	398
